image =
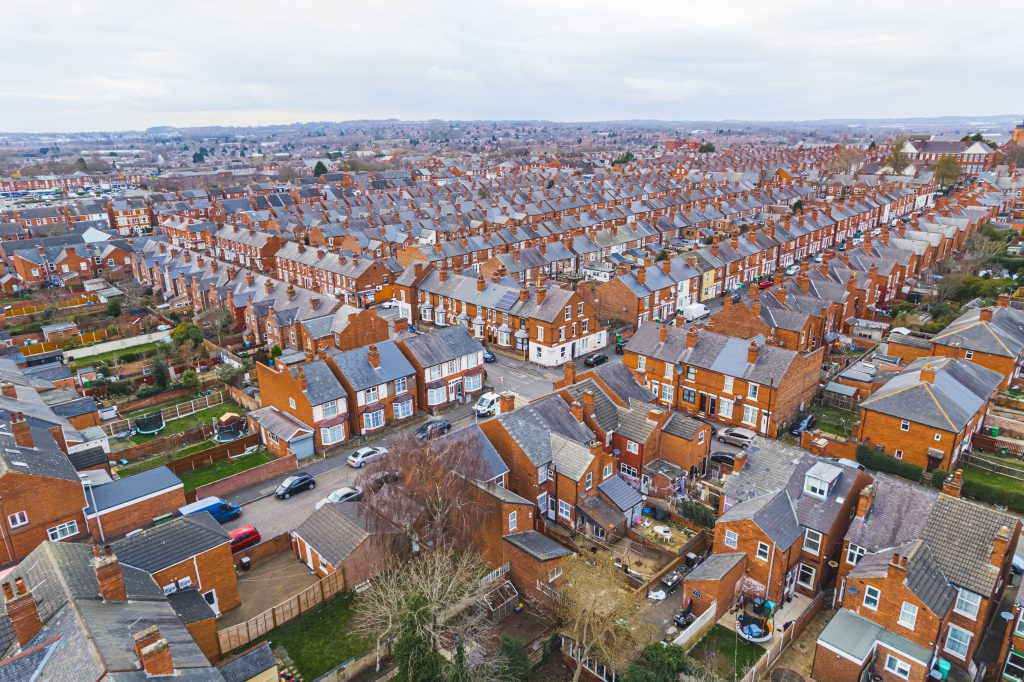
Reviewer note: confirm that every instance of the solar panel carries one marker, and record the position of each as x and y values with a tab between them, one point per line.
508	299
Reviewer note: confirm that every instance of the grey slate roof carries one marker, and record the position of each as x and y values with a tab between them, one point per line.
569	458
45	459
960	389
622	383
249	664
682	426
361	375
90	457
1004	335
336	530
531	427
605	410
537	545
773	513
490	464
129	488
769	467
281	424
924	577
603	514
856	636
159	547
622	495
442	345
321	384
715	566
190	605
897	514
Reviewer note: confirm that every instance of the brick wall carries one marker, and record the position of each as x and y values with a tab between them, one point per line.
363	328
118	522
47	502
704	592
831	667
211	570
269	547
204	632
834	446
213	454
232	484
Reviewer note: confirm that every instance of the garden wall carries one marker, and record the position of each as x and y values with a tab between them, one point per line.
232	484
266	549
161	445
826	445
217	453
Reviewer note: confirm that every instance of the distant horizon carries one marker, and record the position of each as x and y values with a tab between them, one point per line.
896	121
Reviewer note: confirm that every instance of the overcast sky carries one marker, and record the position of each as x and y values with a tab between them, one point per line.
116	65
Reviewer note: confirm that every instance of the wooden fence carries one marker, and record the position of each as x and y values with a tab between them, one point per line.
31	309
984	441
162	445
993	467
170	413
779	644
240	635
216	453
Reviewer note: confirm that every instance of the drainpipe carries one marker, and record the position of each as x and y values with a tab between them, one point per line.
771	569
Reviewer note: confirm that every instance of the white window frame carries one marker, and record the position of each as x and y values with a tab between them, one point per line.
1017	662
763	551
589	480
904	425
873	594
332	434
812	544
607	471
897	667
401	385
406	409
632	447
63	531
513	521
949	637
17	519
641	363
908	615
731	539
752	391
564	509
809	583
971	602
368	423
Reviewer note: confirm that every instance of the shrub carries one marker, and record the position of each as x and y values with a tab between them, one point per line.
879	461
939	477
516	658
1010	499
696	512
149	391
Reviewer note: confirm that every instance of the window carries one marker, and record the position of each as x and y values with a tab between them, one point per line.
563	509
898	454
606	471
540	333
725	408
556	571
727	385
373	420
1014	669
323	565
401	385
967	603
64	530
586	326
561	333
752	390
904	425
700	438
805	576
332	434
590	480
628	470
291	403
689	395
854	553
632	447
812	541
641	363
938	437
371	394
958	641
473	382
1018	629
667	393
17	519
762	551
436	396
512	517
815	486
731	539
691	373
330	409
908	615
872	597
897	667
968	354
403	410
750	415
568	312
579	310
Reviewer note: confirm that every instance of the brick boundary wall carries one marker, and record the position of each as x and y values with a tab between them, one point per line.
217	453
265	550
232	484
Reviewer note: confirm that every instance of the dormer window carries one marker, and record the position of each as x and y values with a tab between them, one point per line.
816	487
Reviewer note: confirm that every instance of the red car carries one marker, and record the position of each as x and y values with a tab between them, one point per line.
244	537
765	283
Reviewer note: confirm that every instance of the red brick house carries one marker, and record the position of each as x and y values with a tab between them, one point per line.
346	537
449	366
126	504
311	393
380	384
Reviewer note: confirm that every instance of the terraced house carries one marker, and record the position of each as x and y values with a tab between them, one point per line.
449	366
380	383
353	279
312	394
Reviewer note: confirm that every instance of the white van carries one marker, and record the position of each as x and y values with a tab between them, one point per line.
695	311
488	405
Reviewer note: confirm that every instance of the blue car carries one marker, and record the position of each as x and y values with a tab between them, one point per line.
489	356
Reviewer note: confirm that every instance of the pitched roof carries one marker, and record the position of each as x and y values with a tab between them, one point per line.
773	513
336	530
923	576
177	540
442	345
1003	335
531	426
715	566
249	664
355	365
569	458
321	384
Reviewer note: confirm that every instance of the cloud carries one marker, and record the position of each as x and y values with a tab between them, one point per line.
113	64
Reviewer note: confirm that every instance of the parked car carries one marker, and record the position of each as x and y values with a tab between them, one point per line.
348	493
792	270
723	458
363	456
218	508
382	478
803	423
595	359
294	484
388	305
489	356
737	436
765	282
244	537
820	258
433	429
737	296
489	405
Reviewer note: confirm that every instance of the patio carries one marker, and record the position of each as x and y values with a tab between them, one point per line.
786	612
269	583
666	533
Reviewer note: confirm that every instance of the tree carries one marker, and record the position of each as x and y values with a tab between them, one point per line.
625	158
897	159
798	206
706	148
286	174
161	375
81	165
845	160
1015	154
947	170
190	380
114	307
319	169
516	659
198	158
600	612
186	331
232	376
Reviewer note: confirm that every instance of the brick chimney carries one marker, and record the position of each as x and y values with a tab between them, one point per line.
951	486
9	390
577	409
867	496
268	285
373	356
300	377
587	400
753	351
506	401
780	295
442	274
692	334
481	283
803	281
641	275
418	269
927	373
542	292
108	574
1000	545
666	266
570	373
21	431
22	610
739	461
898	563
153	652
985	314
524	294
1003	300
663	333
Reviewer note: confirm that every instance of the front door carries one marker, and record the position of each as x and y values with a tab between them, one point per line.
211	599
551	508
573	349
712	405
309	558
457	390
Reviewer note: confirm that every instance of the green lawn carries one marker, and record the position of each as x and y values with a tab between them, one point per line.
833	420
993	479
190	422
140	351
727	654
320	640
153	462
223	469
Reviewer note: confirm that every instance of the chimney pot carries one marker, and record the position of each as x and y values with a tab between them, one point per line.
23	612
373	356
952	485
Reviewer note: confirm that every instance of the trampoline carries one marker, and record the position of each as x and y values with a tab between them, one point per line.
149	424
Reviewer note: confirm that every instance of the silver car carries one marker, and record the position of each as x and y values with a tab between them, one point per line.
737	436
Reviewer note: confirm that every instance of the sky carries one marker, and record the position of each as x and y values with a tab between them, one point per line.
99	65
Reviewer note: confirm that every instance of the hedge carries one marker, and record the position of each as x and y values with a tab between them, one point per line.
983	492
696	512
879	461
939	477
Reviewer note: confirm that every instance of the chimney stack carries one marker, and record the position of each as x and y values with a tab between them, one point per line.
570	373
753	351
506	401
268	285
927	373
692	334
22	611
951	486
1000	545
373	356
577	409
524	294
985	314
442	274
663	333
300	377
9	390
780	295
739	460
1003	300
588	403
108	574
21	431
481	283
867	496
541	294
153	652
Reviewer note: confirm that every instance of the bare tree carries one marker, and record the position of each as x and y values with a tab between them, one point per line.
600	612
845	160
897	159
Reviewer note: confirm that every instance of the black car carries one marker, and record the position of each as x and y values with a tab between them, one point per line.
378	480
489	356
804	423
294	484
723	458
433	429
595	359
